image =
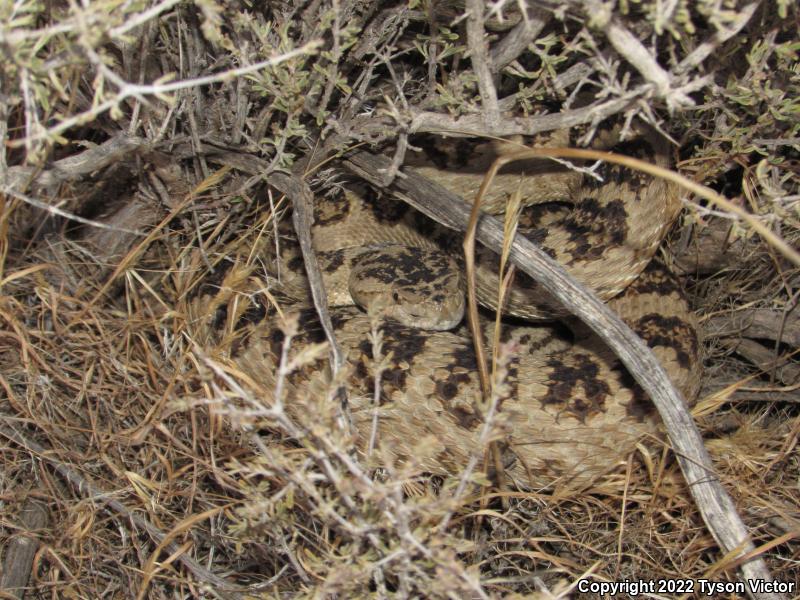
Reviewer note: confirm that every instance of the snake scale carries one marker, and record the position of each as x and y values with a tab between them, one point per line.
567	409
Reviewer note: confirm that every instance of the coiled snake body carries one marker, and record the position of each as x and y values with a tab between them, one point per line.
567	408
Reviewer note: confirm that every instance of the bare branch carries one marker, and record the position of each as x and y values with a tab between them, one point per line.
636	54
516	41
475	125
479	55
127	90
302	209
704	50
76	166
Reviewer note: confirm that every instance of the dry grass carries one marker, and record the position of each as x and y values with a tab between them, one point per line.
165	470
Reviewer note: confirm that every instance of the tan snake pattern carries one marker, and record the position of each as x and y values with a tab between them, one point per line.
567	409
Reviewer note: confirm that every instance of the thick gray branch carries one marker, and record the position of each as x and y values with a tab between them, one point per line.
475	125
516	41
76	166
479	55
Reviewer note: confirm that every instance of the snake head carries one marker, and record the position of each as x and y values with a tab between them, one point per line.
418	287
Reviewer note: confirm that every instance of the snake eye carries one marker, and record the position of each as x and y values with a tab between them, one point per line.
396	297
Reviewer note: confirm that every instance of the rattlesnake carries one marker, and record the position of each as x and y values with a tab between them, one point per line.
567	408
